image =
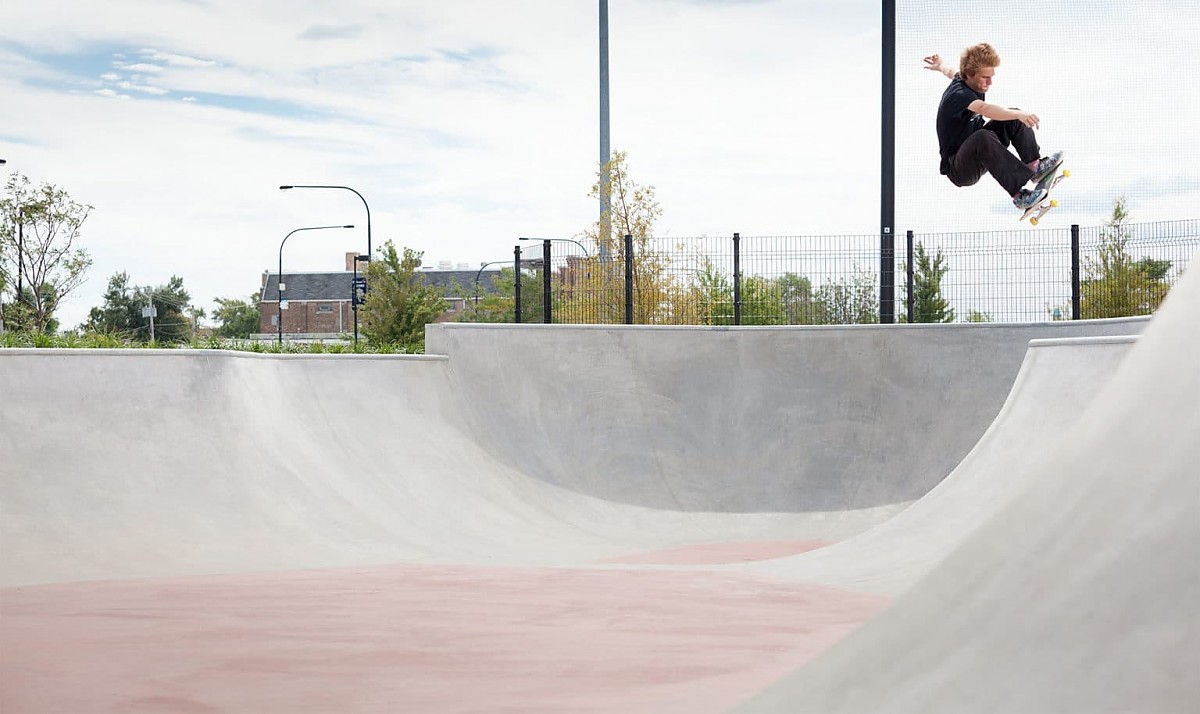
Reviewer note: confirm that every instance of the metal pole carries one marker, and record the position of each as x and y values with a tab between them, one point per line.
1076	310
279	294
20	266
517	282
605	135
546	306
737	279
887	183
354	299
911	298
628	279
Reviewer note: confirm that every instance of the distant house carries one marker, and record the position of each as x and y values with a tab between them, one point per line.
317	305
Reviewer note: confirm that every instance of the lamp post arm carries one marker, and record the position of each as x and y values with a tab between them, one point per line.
279	275
346	188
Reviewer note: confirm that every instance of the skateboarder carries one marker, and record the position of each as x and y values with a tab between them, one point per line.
971	147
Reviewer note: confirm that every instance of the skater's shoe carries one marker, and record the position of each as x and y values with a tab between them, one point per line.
1027	198
1046	166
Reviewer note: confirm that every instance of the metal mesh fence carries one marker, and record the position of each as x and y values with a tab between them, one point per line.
997	276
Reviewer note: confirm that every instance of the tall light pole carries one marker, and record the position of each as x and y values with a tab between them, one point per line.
887	182
279	287
605	147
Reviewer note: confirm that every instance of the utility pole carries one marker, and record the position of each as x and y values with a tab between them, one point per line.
150	311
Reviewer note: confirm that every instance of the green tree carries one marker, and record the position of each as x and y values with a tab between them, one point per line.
499	304
799	302
38	252
598	281
399	303
786	300
761	301
707	298
123	309
237	318
1117	285
929	305
848	301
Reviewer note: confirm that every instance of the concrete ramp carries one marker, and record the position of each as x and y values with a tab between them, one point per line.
793	419
1082	595
517	446
1057	381
129	463
548	518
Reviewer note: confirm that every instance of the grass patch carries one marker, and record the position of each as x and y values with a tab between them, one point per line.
95	340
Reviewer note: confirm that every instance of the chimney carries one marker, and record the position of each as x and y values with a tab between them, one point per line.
350	261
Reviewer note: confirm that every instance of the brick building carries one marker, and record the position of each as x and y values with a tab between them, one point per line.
318	304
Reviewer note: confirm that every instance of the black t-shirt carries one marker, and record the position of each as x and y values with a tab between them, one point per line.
954	121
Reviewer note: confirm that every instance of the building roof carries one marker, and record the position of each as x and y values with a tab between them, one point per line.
335	286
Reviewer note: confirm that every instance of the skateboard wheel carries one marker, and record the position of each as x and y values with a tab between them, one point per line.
1033	221
1066	173
1054	204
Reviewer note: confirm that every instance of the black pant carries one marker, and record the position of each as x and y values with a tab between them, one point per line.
986	151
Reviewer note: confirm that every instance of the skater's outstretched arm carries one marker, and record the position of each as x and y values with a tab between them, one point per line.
934	62
999	113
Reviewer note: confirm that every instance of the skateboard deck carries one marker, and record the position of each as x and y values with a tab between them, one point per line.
1043	207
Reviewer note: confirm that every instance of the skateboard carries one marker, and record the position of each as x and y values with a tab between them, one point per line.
1044	206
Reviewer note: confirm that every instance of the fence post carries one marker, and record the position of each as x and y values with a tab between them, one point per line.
1075	307
628	279
737	279
517	282
887	277
546	308
910	298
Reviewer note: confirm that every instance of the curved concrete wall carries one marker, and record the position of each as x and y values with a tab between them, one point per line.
791	419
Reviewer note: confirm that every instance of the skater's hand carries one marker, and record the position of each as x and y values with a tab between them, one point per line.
934	62
1029	119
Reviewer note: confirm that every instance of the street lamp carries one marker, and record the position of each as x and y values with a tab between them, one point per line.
279	287
356	193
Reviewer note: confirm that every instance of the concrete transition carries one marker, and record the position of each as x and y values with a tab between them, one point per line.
1011	511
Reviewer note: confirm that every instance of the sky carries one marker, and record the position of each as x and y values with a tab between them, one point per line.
467	124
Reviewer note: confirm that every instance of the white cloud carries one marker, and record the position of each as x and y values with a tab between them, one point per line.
143	88
142	67
172	59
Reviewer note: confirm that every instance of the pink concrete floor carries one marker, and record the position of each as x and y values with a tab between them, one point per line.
713	553
414	639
